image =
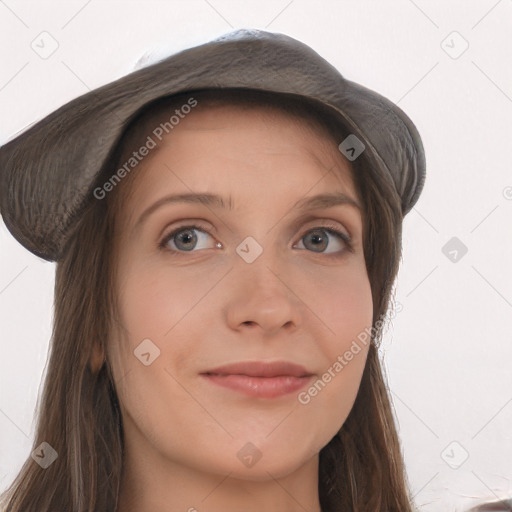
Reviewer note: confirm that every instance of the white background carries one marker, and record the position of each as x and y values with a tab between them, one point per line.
447	353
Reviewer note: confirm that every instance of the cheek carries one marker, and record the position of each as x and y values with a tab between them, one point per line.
154	307
153	302
345	306
344	303
164	307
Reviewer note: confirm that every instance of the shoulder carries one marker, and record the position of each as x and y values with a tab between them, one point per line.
494	506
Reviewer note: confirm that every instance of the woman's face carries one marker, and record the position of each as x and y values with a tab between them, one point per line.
280	287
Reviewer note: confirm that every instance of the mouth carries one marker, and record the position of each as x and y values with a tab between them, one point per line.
260	378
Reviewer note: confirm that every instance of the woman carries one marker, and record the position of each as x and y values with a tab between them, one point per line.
227	230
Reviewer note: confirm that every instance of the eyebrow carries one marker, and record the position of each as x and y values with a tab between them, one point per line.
215	201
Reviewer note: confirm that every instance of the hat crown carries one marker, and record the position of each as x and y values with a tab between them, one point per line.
47	173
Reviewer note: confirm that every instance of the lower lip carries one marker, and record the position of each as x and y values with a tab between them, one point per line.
265	387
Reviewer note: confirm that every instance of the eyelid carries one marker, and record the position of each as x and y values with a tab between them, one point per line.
334	229
182	224
187	222
325	222
334	226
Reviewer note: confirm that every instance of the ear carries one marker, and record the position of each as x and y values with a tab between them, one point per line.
97	357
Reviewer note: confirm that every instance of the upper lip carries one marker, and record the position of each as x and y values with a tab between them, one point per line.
261	369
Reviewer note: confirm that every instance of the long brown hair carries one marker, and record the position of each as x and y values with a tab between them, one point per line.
361	468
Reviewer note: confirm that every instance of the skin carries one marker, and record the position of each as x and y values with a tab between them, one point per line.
206	307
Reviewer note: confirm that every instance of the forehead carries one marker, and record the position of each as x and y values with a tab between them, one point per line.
247	131
225	145
165	116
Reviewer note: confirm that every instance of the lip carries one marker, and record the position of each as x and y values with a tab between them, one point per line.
260	378
262	369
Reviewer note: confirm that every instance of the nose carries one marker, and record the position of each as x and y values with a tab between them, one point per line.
263	299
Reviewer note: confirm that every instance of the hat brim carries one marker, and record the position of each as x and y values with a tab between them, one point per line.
47	172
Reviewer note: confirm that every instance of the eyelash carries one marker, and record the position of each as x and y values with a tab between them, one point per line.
329	228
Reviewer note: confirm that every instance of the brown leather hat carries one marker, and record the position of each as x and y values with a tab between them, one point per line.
47	173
